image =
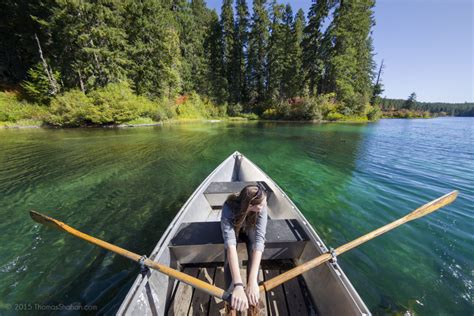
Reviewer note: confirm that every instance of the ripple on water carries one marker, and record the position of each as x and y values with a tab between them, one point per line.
125	186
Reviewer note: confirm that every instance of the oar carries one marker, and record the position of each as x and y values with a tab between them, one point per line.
183	277
419	212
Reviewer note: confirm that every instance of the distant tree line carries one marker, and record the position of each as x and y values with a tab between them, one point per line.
166	48
436	108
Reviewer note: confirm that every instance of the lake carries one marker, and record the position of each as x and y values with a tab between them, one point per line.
126	185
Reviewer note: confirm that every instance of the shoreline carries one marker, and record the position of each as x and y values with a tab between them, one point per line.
212	121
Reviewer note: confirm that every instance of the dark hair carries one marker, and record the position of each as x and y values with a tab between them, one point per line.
240	202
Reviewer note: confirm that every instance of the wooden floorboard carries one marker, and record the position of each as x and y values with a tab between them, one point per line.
276	302
184	293
200	302
291	298
294	297
262	303
217	306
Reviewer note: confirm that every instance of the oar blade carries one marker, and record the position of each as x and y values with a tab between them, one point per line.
45	220
432	206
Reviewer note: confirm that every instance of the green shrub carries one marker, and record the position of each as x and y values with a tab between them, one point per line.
373	112
72	108
335	116
116	103
38	86
197	107
249	116
270	114
306	109
113	104
234	109
13	110
297	109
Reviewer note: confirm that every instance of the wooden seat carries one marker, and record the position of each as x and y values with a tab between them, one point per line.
197	242
217	192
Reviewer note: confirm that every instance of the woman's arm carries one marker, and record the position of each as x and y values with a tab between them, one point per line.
255	266
239	298
252	289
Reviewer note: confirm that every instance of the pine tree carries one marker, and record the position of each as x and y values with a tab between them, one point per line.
410	103
239	84
20	20
227	24
171	64
277	52
296	86
147	25
90	43
313	48
216	68
193	20
351	62
258	51
292	81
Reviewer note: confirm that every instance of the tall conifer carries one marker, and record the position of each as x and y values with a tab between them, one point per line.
313	60
258	51
351	63
216	68
239	83
227	23
277	52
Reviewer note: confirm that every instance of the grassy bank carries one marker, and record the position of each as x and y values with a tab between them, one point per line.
406	114
117	105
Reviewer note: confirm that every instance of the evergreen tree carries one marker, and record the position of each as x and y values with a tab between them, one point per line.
313	48
239	84
216	68
296	85
277	52
227	24
193	21
378	87
410	103
148	26
350	62
171	64
292	77
20	20
258	51
90	43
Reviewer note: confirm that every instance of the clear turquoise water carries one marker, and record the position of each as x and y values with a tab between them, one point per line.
126	185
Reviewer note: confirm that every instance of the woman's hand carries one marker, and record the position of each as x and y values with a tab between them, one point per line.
253	292
239	299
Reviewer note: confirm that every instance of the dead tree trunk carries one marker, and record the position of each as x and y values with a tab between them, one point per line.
49	73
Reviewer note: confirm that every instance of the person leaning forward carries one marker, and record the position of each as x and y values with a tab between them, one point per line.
244	215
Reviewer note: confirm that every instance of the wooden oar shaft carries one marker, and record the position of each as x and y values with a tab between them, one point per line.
183	277
419	212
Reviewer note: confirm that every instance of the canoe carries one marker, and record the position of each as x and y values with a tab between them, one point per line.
193	244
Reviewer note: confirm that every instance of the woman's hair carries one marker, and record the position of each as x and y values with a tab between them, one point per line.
239	203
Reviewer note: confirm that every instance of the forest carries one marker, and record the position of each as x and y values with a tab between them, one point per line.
110	61
411	107
80	63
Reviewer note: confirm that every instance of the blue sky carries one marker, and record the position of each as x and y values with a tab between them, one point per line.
427	47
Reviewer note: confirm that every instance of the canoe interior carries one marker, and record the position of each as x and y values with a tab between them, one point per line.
291	298
193	243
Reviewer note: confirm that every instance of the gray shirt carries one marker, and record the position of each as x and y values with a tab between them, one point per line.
256	234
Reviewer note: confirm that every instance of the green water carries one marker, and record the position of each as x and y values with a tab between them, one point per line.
126	185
